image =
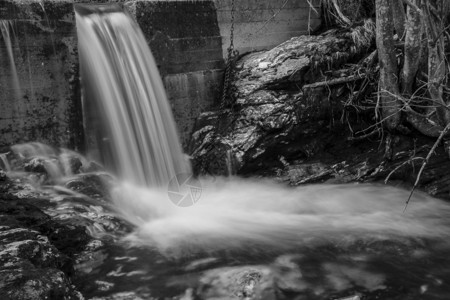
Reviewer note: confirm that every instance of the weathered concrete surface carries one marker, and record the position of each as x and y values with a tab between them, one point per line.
260	25
47	106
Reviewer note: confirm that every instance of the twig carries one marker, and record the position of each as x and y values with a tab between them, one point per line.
439	139
398	167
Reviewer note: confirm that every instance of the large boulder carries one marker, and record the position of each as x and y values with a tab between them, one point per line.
275	113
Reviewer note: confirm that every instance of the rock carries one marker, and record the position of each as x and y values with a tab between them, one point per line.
70	164
54	168
3	176
94	185
272	116
30	267
91	166
41	165
29	283
36	253
244	282
104	285
90	258
53	164
201	264
66	238
287	274
283	276
308	173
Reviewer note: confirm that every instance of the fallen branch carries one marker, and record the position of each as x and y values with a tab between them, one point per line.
441	136
336	81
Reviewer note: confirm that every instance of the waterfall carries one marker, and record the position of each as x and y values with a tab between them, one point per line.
138	134
119	73
6	27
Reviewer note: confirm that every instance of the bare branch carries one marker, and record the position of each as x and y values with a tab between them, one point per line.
400	166
438	141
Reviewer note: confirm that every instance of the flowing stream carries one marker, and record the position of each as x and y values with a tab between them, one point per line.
243	238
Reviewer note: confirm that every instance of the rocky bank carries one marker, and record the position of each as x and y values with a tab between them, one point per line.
302	112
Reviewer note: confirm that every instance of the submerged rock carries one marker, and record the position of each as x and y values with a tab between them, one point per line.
92	257
93	185
244	282
288	277
50	164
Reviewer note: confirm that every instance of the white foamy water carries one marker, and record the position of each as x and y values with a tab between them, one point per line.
120	74
240	213
57	162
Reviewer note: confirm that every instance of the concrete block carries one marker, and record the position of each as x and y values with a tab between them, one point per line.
191	94
259	25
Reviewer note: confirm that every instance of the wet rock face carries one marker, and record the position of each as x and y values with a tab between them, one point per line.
2	175
35	253
273	117
97	186
45	164
51	211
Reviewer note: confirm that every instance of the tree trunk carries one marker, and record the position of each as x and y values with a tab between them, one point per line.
388	65
436	59
398	13
413	49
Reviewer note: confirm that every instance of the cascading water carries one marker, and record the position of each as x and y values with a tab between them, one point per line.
120	74
4	162
6	27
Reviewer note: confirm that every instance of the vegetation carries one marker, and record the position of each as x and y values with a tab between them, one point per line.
411	38
413	93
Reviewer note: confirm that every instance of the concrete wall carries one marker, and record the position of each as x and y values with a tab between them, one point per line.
188	39
47	108
263	24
